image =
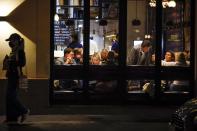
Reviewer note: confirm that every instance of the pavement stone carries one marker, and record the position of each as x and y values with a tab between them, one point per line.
96	118
84	123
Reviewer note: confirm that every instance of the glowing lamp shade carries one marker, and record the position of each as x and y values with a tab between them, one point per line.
7	6
56	17
172	3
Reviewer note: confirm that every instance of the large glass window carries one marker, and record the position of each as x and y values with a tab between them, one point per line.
104	29
68	32
140	52
175	48
176	34
140	33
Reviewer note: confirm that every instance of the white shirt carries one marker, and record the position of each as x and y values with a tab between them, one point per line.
164	63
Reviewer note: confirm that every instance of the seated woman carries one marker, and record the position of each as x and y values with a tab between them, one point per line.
169	59
181	61
95	59
104	55
78	56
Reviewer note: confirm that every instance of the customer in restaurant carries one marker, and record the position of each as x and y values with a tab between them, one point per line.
74	42
115	44
140	56
169	59
69	57
104	56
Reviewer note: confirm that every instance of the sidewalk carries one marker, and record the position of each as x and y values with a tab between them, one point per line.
97	118
85	123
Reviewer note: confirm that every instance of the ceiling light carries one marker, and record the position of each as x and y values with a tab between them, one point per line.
56	17
172	3
7	6
165	3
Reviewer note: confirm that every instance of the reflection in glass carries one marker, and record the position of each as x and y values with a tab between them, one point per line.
65	85
102	86
139	85
175	86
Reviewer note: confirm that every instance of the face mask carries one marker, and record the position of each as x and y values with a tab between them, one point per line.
11	44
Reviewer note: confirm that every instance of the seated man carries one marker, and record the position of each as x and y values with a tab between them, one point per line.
69	57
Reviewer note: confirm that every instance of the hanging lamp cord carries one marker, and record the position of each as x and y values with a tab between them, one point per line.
136	9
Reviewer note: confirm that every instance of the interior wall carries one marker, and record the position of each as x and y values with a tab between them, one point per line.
131	15
32	21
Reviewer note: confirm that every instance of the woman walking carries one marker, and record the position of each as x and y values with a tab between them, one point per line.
15	61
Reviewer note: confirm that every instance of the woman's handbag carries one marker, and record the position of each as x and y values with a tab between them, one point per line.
23	82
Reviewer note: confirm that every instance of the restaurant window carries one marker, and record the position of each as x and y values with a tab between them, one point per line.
100	50
176	29
104	32
176	48
140	33
68	32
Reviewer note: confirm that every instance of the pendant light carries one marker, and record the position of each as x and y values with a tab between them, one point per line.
136	21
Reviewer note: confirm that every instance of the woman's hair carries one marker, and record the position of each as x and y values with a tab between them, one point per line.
104	54
146	43
21	44
77	51
111	55
67	50
172	55
97	56
21	54
181	58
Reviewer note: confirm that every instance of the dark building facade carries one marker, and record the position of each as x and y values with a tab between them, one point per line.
164	71
99	67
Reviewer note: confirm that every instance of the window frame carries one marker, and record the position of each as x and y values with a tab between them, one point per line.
122	72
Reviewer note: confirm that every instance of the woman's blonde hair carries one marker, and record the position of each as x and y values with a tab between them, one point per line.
95	55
